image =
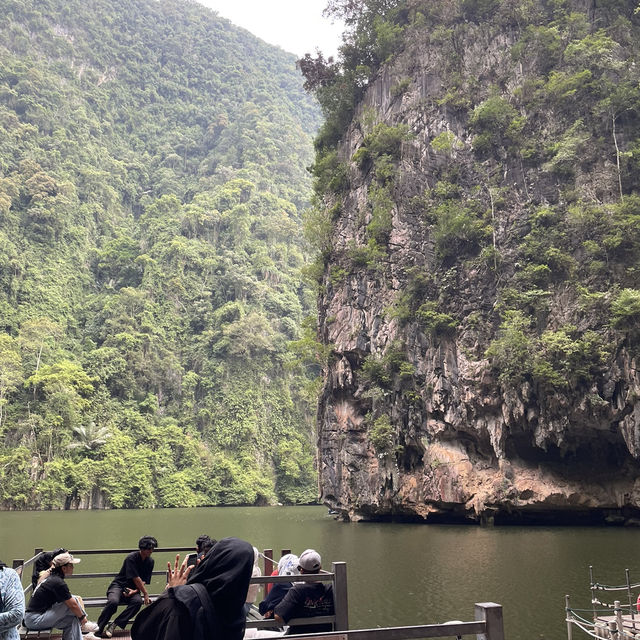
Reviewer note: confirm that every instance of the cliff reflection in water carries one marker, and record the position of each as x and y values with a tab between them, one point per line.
398	573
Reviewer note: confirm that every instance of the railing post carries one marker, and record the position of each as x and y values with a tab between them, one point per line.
340	596
593	592
268	562
17	565
491	614
613	629
569	624
618	612
631	603
284	552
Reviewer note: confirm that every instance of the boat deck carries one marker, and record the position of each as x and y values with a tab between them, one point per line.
631	625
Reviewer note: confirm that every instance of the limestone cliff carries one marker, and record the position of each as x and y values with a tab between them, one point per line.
480	295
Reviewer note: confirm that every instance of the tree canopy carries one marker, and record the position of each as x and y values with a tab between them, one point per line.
152	179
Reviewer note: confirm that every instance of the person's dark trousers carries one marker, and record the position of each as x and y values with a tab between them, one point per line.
114	599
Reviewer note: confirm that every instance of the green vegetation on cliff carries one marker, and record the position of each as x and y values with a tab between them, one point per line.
505	224
152	178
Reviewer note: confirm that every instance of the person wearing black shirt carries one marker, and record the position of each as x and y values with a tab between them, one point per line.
204	544
128	588
306	599
52	604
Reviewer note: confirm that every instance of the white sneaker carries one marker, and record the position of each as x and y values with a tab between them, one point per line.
90	636
89	627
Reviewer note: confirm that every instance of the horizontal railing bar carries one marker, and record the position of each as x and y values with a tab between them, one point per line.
404	633
307	577
270	622
26	563
254	580
92	552
101	602
75	576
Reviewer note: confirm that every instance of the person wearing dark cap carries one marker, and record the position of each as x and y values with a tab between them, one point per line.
306	599
52	604
128	588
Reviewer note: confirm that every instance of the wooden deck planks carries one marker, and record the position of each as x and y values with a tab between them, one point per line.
630	625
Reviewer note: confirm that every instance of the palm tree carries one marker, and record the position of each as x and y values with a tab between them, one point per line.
90	437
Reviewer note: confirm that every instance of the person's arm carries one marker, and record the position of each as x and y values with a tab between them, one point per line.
141	588
76	609
286	608
132	570
13	603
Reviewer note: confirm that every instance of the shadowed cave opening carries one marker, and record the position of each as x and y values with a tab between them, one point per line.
602	454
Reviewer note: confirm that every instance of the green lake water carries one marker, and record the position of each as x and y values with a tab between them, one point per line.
398	574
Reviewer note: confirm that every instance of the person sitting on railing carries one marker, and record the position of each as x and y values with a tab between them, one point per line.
306	599
53	606
128	588
206	605
287	566
11	603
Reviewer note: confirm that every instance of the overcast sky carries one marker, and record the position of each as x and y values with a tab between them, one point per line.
295	25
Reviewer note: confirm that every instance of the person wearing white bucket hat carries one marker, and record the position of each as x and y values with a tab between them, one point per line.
52	604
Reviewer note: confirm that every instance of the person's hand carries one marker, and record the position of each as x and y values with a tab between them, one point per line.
127	592
146	599
179	573
268	614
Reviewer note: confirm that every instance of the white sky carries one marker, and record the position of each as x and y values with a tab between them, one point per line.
297	26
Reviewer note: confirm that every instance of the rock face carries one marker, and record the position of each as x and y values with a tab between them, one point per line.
478	370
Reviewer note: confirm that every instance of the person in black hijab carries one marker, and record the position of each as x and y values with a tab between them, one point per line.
208	604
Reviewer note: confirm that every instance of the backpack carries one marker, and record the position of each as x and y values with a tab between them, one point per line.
190	604
42	563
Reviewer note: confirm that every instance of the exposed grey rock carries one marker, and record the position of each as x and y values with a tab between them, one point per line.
466	447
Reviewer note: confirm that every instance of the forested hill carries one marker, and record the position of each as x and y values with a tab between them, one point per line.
152	178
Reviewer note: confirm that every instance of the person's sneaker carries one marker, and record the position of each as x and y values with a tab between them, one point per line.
90	636
107	632
89	627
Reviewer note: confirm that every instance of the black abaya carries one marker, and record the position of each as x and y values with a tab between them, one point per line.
176	615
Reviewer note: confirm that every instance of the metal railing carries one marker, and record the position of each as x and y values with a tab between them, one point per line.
612	620
487	625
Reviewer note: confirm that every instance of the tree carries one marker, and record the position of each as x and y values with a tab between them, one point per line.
38	338
11	376
90	437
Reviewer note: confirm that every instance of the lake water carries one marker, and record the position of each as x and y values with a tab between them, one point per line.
398	574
